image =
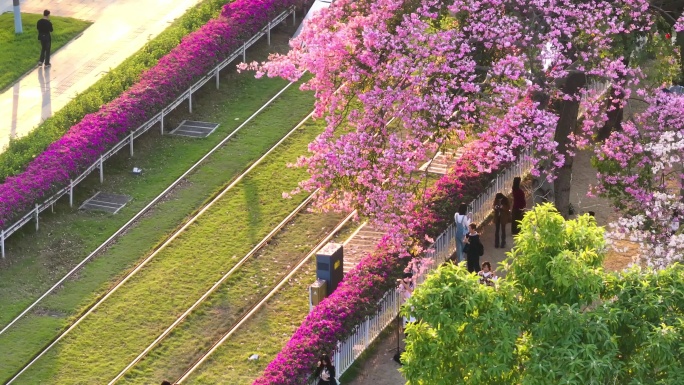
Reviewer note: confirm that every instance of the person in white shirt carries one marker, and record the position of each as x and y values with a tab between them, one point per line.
406	288
461	219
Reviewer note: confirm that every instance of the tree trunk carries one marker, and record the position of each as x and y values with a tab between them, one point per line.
567	124
614	109
680	43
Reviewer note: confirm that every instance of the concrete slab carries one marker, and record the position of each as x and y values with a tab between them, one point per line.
107	202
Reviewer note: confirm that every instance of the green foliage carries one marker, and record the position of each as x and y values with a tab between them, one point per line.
21	151
21	52
557	317
557	261
662	57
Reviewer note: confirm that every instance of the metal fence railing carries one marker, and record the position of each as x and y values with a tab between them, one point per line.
128	140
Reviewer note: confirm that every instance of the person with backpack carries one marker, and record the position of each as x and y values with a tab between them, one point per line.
461	219
473	249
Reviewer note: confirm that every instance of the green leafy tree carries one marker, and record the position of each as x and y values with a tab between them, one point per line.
557	317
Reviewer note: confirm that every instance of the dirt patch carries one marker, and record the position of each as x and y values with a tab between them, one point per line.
43	312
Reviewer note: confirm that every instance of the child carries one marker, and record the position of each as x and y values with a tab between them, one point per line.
487	276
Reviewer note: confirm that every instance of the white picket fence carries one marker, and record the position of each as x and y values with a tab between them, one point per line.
128	140
350	349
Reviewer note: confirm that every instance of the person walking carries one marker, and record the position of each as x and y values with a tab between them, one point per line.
461	219
519	204
502	215
473	249
325	372
44	26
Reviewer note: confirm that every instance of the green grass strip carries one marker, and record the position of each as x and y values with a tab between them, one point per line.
37	259
133	316
216	315
265	334
20	52
21	151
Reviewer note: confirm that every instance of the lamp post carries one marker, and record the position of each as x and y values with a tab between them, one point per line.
17	17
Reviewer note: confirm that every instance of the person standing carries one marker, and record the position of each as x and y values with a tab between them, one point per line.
325	372
519	204
473	249
44	29
502	215
461	219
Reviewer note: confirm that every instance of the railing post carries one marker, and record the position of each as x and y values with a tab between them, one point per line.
338	353
131	144
161	120
71	193
2	242
36	216
101	170
367	332
244	52
268	33
294	16
217	78
190	102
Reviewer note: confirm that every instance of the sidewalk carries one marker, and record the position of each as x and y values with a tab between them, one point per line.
120	28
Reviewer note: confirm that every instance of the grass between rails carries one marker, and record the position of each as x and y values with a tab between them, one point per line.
234	298
20	52
37	259
265	333
132	317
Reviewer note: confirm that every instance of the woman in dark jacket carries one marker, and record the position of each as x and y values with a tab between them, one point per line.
473	249
325	372
519	204
502	215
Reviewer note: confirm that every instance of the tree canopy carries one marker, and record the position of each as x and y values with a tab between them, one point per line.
556	318
408	78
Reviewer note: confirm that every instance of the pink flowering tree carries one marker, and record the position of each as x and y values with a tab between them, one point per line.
398	80
640	169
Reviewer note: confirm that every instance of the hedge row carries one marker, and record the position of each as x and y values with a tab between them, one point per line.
357	296
197	53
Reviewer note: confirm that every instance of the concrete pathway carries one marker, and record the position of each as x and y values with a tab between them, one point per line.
120	28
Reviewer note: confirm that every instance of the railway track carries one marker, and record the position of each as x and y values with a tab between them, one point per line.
250	310
167	241
140	213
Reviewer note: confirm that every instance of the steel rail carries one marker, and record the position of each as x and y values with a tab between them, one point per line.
142	212
254	308
159	248
218	283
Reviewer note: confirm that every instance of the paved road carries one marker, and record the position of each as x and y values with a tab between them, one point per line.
120	28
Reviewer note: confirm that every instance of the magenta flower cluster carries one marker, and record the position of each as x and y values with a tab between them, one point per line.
196	55
357	296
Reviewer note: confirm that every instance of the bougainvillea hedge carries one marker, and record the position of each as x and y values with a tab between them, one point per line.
198	52
21	151
356	298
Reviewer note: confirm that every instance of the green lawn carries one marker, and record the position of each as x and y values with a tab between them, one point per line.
133	316
36	260
20	53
